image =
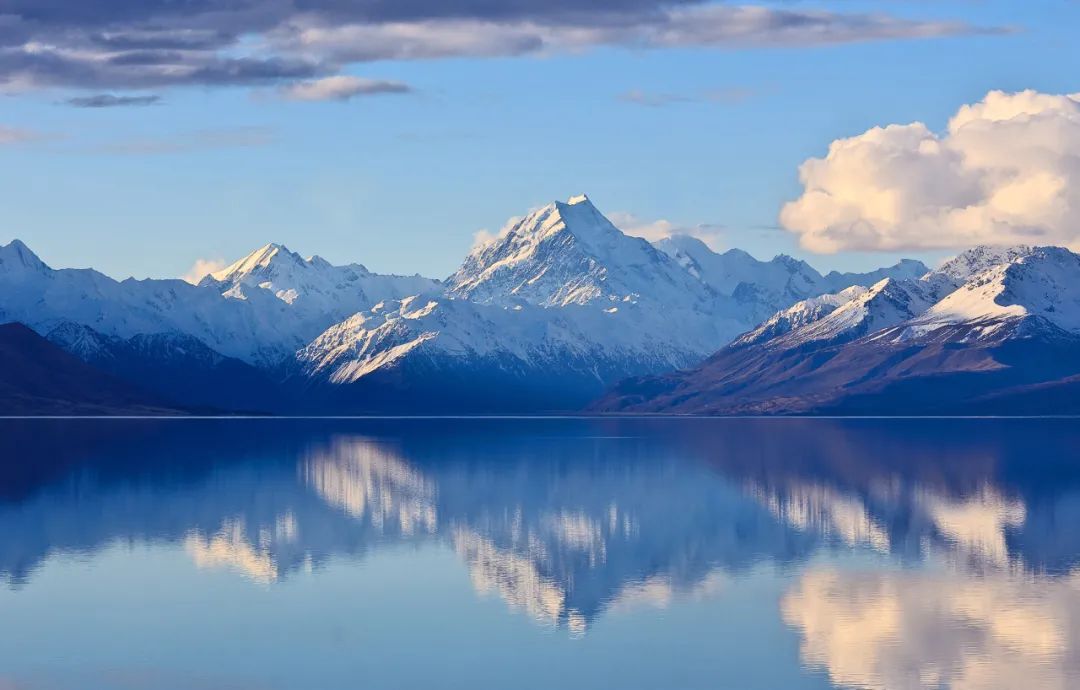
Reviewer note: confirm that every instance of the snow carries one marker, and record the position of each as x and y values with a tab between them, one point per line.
1043	282
762	288
979	295
560	290
454	333
260	325
846	315
570	253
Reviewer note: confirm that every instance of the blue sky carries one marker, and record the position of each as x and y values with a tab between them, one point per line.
401	182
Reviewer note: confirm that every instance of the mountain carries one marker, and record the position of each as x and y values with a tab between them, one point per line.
261	310
175	367
569	253
1010	331
762	288
317	293
39	378
546	316
430	353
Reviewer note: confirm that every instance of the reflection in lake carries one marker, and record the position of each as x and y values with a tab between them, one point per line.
639	553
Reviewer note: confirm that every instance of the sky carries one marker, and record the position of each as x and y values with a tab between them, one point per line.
143	137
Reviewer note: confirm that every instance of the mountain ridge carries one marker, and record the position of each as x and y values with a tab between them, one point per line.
931	346
559	307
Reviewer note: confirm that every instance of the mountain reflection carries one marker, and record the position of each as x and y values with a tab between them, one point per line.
565	520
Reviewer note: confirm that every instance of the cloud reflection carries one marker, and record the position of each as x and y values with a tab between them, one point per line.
886	630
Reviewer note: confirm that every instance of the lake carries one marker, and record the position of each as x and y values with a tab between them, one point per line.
539	553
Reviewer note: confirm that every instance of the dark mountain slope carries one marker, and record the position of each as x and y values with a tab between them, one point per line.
39	378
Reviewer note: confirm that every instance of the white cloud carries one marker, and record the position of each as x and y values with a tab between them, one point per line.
483	236
653	230
340	88
1005	171
202	268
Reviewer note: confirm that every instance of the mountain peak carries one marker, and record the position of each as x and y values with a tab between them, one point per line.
262	258
16	255
569	253
970	262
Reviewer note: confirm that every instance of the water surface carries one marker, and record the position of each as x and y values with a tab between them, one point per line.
668	553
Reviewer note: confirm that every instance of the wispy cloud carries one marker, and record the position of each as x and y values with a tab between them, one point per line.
198	140
732	96
340	88
653	230
109	100
202	268
16	135
160	43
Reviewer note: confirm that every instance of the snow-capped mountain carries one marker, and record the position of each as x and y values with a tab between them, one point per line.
317	292
725	272
846	315
1039	282
993	330
42	297
558	306
457	354
261	310
545	316
761	288
569	253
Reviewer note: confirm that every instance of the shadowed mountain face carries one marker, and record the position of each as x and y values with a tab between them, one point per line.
176	367
39	378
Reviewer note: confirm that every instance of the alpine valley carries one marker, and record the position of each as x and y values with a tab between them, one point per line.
560	312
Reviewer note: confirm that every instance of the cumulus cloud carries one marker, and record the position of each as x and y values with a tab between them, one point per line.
1005	171
340	88
108	100
202	268
157	43
653	230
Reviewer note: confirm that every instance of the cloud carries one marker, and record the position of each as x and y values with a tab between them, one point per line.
340	88
15	135
1005	171
108	100
202	268
900	629
653	230
484	236
198	140
161	43
704	25
730	96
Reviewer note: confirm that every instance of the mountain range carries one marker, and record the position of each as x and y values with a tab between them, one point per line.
562	311
993	331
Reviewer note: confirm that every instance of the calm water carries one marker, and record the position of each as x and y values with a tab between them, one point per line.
480	554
